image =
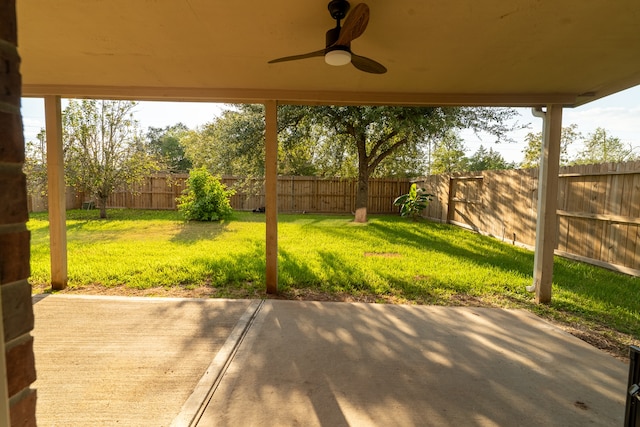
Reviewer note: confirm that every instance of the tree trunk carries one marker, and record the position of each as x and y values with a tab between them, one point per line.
362	195
102	202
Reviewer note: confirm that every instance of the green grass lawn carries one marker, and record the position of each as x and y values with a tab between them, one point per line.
389	259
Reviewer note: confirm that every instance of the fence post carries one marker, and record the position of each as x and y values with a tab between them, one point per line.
451	204
293	194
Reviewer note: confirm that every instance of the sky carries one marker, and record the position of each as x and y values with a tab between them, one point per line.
619	114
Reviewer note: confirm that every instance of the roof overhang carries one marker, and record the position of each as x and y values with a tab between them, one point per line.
458	52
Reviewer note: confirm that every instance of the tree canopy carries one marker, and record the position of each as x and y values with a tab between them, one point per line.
485	160
232	144
448	155
569	135
164	144
35	164
600	147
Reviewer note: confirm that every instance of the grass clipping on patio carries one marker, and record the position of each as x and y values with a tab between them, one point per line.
330	258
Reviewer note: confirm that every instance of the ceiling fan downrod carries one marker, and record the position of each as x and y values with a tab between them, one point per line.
337	55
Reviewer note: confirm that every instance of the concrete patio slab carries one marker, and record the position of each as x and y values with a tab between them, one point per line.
339	364
105	361
158	362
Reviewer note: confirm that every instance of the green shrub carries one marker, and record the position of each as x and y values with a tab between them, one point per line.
414	202
205	198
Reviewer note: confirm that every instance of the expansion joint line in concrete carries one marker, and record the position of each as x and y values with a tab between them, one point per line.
196	404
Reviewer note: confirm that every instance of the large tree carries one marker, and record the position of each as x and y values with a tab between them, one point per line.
339	140
376	134
103	148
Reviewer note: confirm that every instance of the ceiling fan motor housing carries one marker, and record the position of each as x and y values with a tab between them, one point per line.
338	9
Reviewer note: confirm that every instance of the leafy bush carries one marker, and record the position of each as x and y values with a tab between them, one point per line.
205	198
414	202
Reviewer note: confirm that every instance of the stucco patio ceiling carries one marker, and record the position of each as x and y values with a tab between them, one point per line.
490	52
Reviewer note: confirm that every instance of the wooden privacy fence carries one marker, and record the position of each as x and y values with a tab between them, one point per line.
598	205
295	194
598	209
39	203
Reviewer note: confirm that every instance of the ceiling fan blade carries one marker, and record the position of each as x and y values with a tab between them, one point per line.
367	65
296	57
354	25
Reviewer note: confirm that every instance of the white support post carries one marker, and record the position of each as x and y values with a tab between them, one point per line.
546	227
56	190
271	198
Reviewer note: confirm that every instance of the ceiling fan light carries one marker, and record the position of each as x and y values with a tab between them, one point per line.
337	57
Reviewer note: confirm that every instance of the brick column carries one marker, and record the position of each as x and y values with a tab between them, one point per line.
17	311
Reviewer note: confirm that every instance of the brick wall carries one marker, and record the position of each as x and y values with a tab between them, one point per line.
17	311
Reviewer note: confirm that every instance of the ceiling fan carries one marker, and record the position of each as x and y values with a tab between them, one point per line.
338	39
